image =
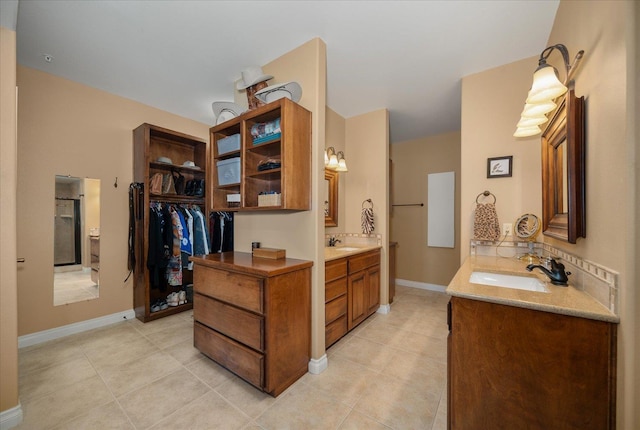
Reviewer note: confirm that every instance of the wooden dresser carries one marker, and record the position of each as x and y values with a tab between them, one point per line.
253	316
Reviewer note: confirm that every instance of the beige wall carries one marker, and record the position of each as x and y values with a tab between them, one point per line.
491	104
68	128
8	184
606	31
412	161
335	136
367	144
300	233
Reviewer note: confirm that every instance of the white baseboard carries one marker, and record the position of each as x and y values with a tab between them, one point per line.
11	417
318	366
384	309
66	330
421	285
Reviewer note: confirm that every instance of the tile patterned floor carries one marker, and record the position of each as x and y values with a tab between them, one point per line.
73	286
388	373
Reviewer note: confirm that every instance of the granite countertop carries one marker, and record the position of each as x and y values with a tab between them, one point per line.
335	252
560	300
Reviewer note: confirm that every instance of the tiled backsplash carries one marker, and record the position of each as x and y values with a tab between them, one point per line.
355	239
599	282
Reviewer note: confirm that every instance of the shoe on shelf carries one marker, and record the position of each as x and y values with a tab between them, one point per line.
172	299
163	305
182	297
155	307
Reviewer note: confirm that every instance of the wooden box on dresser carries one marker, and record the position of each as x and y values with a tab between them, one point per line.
151	142
517	368
253	316
291	147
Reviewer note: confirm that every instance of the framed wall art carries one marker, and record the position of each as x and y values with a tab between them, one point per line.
499	167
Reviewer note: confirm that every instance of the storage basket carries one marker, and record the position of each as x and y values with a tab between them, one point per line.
229	144
270	199
228	171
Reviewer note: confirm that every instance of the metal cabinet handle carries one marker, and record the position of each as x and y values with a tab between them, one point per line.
21	260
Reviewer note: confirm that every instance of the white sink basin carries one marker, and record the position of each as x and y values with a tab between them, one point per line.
345	248
529	283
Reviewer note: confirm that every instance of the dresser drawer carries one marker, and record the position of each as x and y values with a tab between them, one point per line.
335	269
239	359
241	290
335	308
334	289
360	262
238	324
335	331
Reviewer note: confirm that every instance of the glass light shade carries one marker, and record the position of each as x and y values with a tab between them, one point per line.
326	157
538	109
546	85
527	131
333	162
531	121
342	164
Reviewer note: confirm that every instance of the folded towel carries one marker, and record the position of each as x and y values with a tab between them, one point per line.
485	224
366	218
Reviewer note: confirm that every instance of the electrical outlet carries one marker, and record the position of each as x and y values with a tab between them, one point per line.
507	229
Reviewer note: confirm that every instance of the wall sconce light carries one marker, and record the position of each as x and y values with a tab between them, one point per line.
545	89
335	161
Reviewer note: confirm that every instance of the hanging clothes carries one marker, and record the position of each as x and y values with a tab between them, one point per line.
160	244
221	231
200	233
174	269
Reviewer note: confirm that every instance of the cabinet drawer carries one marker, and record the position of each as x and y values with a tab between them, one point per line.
335	308
335	269
239	359
334	289
241	290
335	331
360	262
238	324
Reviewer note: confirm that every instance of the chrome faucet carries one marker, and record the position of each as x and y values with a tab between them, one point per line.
333	241
557	275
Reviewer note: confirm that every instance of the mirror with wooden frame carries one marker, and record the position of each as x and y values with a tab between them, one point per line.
330	198
563	171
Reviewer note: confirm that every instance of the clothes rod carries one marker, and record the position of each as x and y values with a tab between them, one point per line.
411	204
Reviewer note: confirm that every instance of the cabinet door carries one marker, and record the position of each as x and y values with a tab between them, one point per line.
520	368
373	289
358	298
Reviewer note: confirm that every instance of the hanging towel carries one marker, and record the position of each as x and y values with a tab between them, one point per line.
485	224
366	218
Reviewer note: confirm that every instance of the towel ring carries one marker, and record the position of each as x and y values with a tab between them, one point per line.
487	194
367	201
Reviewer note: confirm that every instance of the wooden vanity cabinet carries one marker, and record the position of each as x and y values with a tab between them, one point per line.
335	300
363	286
253	316
351	293
517	368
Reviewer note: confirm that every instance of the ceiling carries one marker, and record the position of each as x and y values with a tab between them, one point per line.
180	56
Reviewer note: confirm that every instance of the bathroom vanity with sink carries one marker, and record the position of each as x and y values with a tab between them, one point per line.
527	359
352	288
